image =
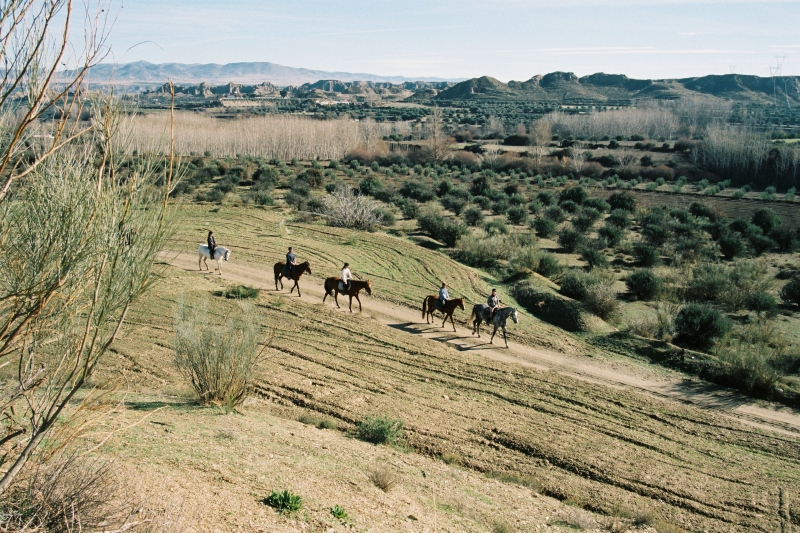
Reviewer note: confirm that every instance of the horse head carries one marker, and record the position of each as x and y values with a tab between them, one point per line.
307	267
369	288
227	255
515	317
461	303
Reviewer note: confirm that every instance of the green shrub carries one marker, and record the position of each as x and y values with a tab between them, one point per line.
241	291
613	235
483	251
586	219
623	200
442	229
473	216
409	208
495	227
284	502
761	302
619	218
569	206
549	266
262	198
760	244
517	215
453	203
500	207
534	208
371	185
524	259
555	214
570	240
482	201
575	282
417	190
728	285
594	257
790	293
645	255
784	238
380	430
385	216
644	284
544	227
699	325
769	193
731	245
573	194
702	210
766	219
655	234
597	203
546	198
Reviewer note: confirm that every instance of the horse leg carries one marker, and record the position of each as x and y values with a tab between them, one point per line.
336	297
359	303
199	262
351	302
219	267
445	319
491	341
453	322
296	284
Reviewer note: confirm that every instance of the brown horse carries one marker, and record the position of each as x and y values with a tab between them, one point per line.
298	271
356	286
429	306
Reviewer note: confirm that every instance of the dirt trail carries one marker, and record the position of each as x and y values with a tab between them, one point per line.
612	372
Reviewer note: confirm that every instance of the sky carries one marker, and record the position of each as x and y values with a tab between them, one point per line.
505	39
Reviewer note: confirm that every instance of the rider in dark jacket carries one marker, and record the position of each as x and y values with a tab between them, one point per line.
291	261
212	245
493	302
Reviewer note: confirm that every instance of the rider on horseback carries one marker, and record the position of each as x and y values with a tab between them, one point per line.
493	302
291	261
347	277
212	245
443	296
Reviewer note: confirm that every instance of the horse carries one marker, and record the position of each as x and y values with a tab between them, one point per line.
220	252
429	306
356	286
295	275
480	312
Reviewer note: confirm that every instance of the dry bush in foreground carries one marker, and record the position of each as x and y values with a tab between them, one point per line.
383	478
219	360
68	493
601	299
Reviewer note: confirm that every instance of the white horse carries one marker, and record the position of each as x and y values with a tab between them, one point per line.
220	252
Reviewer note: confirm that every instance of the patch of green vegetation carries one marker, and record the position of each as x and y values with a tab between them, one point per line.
284	502
380	430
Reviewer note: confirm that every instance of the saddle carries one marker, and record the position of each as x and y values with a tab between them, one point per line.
286	270
439	304
342	288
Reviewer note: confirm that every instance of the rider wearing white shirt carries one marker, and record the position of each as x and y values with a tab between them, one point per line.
346	276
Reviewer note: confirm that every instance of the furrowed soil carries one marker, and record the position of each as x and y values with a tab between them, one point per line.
548	434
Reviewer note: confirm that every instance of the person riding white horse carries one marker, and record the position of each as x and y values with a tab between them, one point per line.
220	253
212	244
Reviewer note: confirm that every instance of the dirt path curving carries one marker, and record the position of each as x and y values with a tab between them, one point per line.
655	381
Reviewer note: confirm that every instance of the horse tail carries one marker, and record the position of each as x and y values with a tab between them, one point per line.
424	307
472	316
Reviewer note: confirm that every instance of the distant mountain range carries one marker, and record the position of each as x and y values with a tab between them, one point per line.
566	88
144	74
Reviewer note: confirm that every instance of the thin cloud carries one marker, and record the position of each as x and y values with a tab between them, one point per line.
617	50
387	30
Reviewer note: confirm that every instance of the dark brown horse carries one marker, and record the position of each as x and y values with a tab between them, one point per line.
429	306
356	286
295	275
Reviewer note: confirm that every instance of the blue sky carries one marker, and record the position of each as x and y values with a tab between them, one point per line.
506	39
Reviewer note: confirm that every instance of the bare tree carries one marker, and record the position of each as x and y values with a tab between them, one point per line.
541	134
370	134
438	141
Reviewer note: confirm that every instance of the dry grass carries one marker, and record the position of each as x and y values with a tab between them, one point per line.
383	478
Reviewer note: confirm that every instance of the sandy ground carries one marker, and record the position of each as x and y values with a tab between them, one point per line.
613	372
